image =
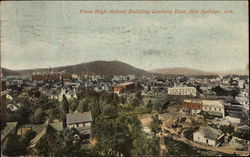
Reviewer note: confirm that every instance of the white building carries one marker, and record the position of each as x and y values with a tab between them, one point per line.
182	91
70	94
243	100
241	83
213	107
208	135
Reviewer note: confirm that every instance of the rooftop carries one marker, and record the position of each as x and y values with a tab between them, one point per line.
179	87
73	118
212	103
125	84
7	129
209	132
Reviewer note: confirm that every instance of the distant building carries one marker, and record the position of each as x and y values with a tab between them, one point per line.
66	77
53	94
39	78
54	77
191	106
69	93
241	83
213	108
182	91
128	86
51	77
14	80
208	135
243	100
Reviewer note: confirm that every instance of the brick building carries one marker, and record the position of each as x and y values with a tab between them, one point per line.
191	106
128	86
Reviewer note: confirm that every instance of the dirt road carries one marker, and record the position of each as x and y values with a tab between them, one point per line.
224	149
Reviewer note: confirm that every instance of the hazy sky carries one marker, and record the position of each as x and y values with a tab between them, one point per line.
43	34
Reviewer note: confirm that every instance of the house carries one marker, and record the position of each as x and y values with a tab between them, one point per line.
13	107
53	94
9	97
208	135
14	80
47	131
9	129
234	118
128	86
241	84
243	100
182	91
80	121
191	106
69	93
24	129
213	108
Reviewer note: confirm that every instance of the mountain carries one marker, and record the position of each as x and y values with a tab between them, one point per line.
103	68
181	71
238	72
7	72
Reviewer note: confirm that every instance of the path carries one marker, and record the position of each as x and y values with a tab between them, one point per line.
224	149
163	148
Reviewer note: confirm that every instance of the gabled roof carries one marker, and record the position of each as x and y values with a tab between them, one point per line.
53	92
210	133
72	118
216	103
71	92
46	130
7	129
244	127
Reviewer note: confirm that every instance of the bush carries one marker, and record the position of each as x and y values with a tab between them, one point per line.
189	133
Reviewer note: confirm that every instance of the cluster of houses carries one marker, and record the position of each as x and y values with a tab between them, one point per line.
55	85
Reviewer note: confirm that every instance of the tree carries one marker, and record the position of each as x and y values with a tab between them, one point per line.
12	147
157	106
155	124
123	99
138	95
74	103
38	116
64	110
227	129
83	105
59	143
113	137
149	106
135	102
145	146
110	111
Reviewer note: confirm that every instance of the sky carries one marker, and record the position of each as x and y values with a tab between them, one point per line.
49	34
